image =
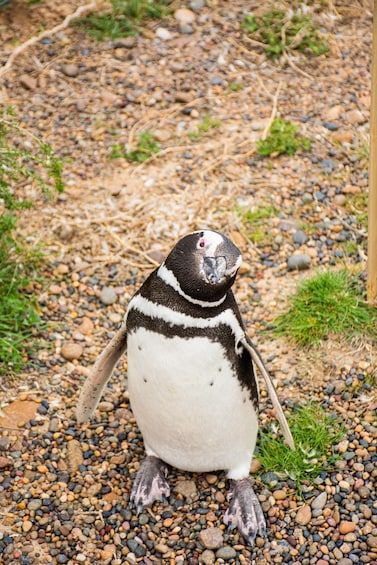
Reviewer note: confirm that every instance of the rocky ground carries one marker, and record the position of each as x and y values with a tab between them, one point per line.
64	489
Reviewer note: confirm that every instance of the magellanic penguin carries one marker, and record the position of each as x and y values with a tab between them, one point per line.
190	376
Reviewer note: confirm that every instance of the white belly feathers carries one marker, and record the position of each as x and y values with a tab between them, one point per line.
189	405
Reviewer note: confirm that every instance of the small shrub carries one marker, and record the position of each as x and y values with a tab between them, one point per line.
330	302
255	221
315	434
280	31
282	138
146	147
205	126
19	316
124	19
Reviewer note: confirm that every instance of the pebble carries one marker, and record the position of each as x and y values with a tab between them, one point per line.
227	552
108	296
319	502
300	237
299	262
346	527
163	33
70	70
208	557
211	538
303	515
186	488
71	351
184	16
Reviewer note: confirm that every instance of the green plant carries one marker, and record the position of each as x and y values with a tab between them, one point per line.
315	434
282	138
124	19
145	148
235	86
35	165
255	220
329	302
204	126
281	31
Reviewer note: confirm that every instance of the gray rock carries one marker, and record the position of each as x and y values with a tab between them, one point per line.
70	70
197	5
211	538
208	557
299	262
108	295
226	553
287	225
319	501
300	237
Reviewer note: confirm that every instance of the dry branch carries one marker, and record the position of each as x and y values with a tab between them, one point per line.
47	33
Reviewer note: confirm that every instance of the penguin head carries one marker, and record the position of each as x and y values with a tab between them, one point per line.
205	264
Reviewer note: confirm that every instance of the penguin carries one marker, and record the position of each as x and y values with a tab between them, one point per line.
191	379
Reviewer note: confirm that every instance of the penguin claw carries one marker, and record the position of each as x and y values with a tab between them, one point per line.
245	512
150	483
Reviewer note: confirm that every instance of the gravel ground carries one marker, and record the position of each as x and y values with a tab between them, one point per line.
64	489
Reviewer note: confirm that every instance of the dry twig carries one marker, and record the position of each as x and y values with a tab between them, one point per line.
47	33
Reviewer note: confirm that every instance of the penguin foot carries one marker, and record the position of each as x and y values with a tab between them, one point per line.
150	483
244	511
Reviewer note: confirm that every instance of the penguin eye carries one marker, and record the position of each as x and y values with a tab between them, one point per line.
201	242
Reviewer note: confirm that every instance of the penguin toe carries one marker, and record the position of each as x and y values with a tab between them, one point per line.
150	483
245	512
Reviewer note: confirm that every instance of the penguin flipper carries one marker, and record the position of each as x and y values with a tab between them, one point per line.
248	345
100	374
245	512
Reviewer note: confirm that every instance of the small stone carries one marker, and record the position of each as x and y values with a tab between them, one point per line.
197	5
363	492
344	561
279	494
372	542
34	504
27	526
226	553
80	557
28	82
330	126
163	34
356	117
74	455
161	548
108	552
87	326
185	488
105	406
127	42
184	16
319	501
208	557
71	351
303	515
342	446
300	237
255	466
339	199
4	443
211	479
343	136
333	113
108	295
299	262
346	527
5	462
70	70
211	538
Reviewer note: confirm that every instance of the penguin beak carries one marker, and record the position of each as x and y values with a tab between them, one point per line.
214	269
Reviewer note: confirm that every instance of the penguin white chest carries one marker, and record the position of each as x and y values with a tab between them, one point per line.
189	404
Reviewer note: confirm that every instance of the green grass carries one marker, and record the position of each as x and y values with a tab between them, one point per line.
40	167
283	137
208	123
280	32
328	303
315	434
256	222
125	18
145	148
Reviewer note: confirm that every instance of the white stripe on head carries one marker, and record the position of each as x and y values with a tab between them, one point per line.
169	278
160	312
213	240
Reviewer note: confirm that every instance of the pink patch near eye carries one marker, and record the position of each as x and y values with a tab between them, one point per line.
202	242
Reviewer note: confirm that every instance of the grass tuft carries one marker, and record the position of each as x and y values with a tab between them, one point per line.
145	148
125	18
279	31
330	302
315	434
283	138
